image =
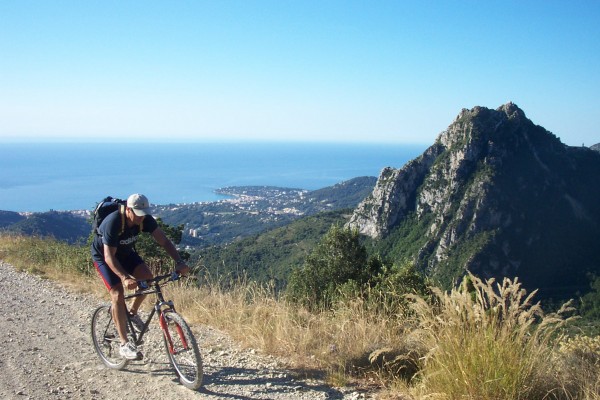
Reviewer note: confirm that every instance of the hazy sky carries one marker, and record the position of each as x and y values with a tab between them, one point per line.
379	71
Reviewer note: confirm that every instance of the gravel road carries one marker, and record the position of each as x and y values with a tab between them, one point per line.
47	353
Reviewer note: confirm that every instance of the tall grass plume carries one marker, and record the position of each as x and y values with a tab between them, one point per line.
488	341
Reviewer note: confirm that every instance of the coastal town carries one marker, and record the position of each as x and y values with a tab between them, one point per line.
242	211
246	210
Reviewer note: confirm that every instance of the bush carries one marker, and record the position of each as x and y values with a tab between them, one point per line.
590	303
488	341
339	259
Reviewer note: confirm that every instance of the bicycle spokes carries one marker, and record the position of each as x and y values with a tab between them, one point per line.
182	349
105	338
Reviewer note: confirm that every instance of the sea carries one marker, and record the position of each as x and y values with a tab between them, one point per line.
39	177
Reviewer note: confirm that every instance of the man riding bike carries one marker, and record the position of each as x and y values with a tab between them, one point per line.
121	267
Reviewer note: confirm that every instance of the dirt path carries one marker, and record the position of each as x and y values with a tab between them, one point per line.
47	353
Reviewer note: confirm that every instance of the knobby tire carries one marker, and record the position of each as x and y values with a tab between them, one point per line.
182	349
106	338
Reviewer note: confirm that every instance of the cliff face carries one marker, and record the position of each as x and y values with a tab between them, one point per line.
499	196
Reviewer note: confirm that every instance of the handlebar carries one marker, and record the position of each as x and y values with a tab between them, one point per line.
170	277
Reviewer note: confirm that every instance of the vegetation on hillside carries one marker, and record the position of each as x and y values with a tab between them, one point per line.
590	302
270	257
337	265
8	218
481	340
57	224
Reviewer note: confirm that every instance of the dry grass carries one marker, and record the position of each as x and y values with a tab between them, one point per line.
578	359
69	265
339	339
489	341
481	341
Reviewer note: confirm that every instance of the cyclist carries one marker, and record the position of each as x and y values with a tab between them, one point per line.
121	267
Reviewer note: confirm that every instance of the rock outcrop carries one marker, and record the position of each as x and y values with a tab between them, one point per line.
498	195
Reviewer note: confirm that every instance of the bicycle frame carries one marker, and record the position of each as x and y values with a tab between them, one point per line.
158	308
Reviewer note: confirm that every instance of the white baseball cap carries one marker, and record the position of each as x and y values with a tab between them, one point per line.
139	204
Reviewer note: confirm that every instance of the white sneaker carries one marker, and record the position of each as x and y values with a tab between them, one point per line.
128	351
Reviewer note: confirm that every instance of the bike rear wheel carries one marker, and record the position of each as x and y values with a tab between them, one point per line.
106	339
182	349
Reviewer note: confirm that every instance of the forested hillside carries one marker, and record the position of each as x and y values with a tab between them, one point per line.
268	257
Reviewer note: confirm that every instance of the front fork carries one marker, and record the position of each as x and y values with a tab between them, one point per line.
164	326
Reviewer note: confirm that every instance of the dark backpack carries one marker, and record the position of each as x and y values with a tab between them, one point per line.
104	208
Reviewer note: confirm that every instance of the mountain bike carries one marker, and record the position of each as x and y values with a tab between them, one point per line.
180	343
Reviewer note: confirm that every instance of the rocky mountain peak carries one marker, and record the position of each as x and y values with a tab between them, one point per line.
485	196
511	110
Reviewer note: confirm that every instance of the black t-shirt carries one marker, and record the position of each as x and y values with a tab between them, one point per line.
109	234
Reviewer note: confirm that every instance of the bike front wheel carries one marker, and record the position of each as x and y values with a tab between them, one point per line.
182	349
106	339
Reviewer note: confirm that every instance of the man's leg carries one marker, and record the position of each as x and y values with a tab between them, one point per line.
117	298
141	273
118	311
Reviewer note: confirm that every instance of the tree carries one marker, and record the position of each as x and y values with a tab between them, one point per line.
339	258
393	283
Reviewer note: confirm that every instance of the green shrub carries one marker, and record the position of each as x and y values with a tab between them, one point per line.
337	260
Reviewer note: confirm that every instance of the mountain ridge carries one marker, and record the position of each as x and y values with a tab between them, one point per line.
493	189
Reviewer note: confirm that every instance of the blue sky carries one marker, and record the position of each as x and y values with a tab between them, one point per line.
352	71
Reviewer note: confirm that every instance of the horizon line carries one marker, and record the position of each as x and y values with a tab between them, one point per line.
206	141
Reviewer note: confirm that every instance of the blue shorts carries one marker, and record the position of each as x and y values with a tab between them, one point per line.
129	263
